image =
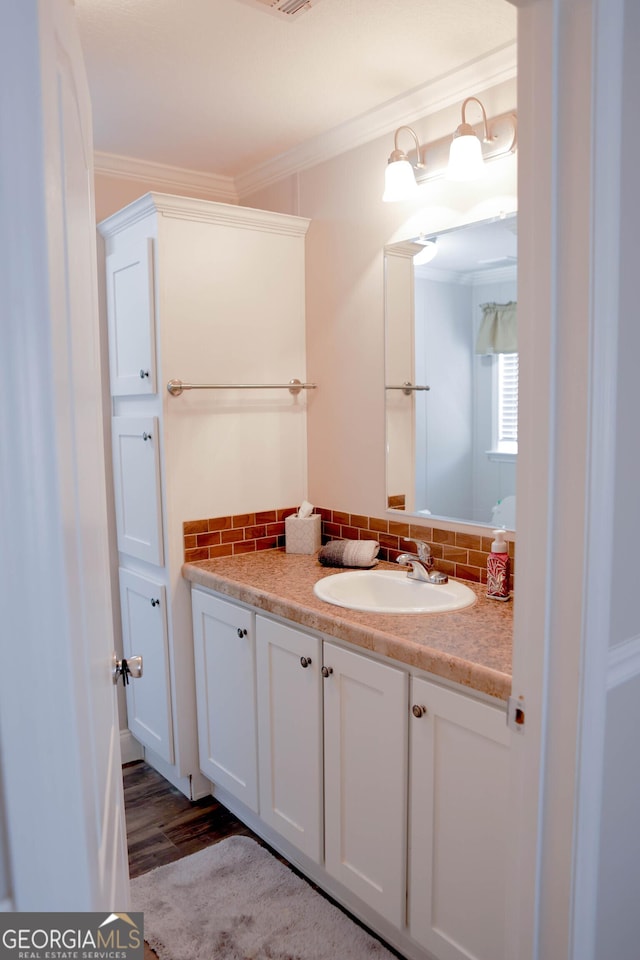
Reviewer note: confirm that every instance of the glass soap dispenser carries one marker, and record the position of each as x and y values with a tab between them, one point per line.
498	568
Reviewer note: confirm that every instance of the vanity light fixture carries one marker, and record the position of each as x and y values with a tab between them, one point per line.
399	178
428	252
466	161
466	154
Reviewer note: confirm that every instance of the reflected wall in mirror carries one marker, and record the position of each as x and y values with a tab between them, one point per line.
450	326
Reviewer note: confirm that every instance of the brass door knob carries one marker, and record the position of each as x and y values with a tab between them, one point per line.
418	711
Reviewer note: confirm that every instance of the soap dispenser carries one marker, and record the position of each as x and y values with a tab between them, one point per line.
498	568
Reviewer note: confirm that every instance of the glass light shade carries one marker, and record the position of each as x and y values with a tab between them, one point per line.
399	181
427	253
465	158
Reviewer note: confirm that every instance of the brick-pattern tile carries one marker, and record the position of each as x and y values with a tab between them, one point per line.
461	555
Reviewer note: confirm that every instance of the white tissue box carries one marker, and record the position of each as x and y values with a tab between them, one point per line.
303	534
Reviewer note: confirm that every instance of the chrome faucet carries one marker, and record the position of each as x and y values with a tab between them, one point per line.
421	564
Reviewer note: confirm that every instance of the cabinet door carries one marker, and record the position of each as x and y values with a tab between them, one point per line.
365	730
224	641
132	366
144	632
136	479
457	825
290	733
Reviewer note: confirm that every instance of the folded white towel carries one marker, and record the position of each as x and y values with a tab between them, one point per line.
349	553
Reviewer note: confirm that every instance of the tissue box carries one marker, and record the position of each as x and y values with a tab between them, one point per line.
303	535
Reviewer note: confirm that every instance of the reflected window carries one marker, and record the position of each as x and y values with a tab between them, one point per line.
506	426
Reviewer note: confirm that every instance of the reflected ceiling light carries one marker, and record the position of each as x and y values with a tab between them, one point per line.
466	161
428	252
399	178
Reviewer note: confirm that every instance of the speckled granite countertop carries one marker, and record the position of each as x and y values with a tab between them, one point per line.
471	646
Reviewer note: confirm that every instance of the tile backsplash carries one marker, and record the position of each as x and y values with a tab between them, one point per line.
461	555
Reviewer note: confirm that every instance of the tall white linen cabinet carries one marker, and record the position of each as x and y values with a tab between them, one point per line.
206	293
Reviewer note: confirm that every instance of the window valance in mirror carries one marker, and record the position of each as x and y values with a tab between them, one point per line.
499	328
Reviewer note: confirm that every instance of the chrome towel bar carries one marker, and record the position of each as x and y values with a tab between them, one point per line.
175	387
407	388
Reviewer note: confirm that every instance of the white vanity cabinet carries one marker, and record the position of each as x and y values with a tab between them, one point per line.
365	745
458	813
225	660
205	293
387	789
290	734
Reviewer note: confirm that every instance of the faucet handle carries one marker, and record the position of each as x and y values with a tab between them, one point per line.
423	549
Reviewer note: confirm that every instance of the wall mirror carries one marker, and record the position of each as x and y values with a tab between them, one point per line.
451	368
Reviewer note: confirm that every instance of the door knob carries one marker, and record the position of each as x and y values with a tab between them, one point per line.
326	671
418	711
305	662
125	668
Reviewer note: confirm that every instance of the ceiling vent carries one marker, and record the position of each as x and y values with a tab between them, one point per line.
286	9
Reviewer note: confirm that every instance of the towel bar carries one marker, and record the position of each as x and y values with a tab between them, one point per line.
407	388
175	387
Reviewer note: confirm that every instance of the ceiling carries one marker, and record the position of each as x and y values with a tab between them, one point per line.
221	86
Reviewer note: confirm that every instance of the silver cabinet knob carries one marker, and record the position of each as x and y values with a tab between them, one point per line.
305	662
241	632
143	374
418	711
326	672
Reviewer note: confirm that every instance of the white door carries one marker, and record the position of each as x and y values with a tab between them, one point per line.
365	748
59	736
458	808
225	662
290	733
144	633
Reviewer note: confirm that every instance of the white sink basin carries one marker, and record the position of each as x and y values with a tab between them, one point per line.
391	591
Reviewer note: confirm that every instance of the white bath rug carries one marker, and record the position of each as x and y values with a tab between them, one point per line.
235	901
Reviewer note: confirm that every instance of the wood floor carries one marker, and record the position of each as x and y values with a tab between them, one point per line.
162	825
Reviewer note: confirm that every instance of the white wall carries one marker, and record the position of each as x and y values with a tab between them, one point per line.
445	429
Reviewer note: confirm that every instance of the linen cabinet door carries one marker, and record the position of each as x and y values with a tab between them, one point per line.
144	632
290	734
136	479
365	745
224	649
130	316
459	752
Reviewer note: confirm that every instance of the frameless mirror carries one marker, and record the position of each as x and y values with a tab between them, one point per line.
451	367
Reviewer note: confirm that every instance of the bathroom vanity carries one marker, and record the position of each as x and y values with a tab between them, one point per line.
371	750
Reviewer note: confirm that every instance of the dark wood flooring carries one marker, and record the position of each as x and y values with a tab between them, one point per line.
162	825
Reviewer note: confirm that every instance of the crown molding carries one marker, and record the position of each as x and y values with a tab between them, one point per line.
191	208
479	75
446	91
164	178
